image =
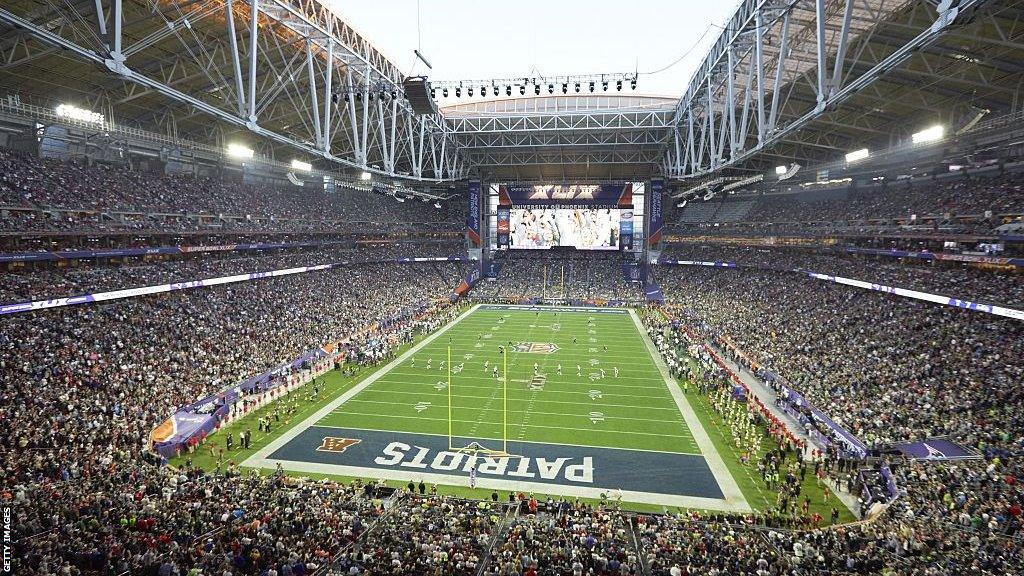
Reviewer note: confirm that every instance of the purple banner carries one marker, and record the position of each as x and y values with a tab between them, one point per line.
935	449
655	212
473	220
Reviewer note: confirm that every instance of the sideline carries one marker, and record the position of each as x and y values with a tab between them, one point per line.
731	490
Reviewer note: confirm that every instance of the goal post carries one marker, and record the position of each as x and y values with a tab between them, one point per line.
474	446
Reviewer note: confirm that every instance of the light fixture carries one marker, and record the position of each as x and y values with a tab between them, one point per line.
508	90
522	89
433	94
365	176
239	151
565	88
458	92
929	134
857	155
536	89
577	87
76	113
469	91
444	92
618	85
551	88
780	170
301	166
632	84
604	85
591	86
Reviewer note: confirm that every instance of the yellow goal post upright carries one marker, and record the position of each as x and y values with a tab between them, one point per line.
475	447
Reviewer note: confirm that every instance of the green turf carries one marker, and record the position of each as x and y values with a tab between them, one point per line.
636	409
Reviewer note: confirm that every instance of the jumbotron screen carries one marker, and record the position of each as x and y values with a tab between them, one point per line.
581	216
582	228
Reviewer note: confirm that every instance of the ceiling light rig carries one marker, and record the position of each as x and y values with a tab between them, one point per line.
577	82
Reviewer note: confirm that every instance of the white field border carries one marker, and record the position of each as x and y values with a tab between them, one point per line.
733	501
733	495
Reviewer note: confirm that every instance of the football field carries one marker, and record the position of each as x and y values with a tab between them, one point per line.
555	400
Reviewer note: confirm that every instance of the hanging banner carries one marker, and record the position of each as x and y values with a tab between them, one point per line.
473	220
657	216
626	230
504	215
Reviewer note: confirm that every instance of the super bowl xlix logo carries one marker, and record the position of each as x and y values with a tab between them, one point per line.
336	445
535	347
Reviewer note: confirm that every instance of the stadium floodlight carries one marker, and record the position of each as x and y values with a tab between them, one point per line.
929	134
780	170
365	176
302	166
857	155
76	113
239	151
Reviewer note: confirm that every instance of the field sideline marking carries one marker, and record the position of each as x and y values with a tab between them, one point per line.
726	482
259	458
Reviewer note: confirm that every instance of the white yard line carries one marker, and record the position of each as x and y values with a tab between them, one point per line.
726	482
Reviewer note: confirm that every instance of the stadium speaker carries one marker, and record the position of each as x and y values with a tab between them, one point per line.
418	93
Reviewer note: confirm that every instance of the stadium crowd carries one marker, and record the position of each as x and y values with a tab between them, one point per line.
43	194
590	276
81	387
94	275
887	368
948	278
952	204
